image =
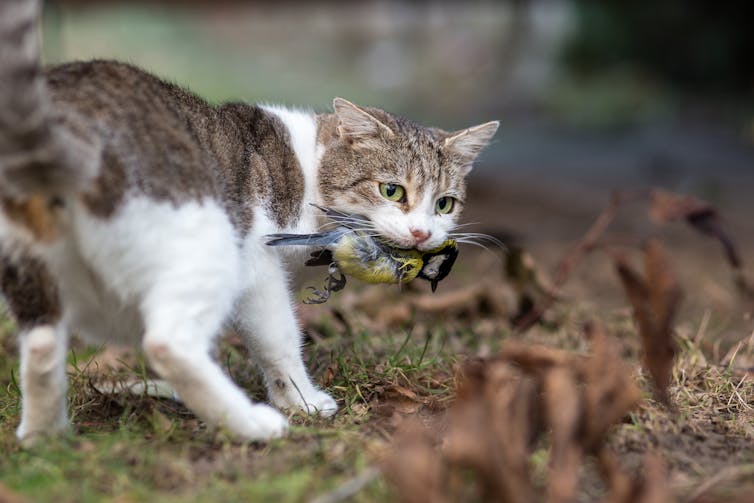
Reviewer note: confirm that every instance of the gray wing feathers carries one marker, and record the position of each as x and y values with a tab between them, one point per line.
320	239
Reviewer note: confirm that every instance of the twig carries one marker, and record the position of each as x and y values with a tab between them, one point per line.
577	253
731	472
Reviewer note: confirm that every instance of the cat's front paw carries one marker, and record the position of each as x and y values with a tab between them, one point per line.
319	403
314	401
32	436
263	423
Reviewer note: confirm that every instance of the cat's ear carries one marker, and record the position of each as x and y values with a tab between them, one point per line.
356	124
464	146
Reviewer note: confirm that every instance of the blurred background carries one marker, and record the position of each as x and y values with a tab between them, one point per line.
591	95
587	91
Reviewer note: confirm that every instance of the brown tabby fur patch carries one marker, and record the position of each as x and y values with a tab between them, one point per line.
37	214
30	291
168	144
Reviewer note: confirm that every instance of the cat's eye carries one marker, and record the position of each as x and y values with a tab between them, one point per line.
444	205
393	192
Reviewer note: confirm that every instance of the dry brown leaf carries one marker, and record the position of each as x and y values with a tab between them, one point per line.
650	487
535	358
746	496
610	389
489	429
510	403
654	482
664	299
404	392
619	482
664	293
654	300
563	405
668	207
533	287
330	372
381	308
415	469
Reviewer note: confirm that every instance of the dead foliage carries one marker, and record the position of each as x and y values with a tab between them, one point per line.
377	308
506	407
650	486
533	287
714	490
662	207
654	298
532	399
668	207
569	262
747	497
420	473
700	215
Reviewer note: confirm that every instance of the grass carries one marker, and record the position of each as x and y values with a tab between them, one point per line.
132	448
129	448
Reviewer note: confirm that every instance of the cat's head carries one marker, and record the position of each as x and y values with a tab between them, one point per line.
408	180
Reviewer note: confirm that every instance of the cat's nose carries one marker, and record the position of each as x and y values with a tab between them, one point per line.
420	236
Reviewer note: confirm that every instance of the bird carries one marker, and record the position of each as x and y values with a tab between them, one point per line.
356	253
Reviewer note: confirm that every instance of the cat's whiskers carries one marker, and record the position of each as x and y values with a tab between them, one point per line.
477	239
473	243
466	224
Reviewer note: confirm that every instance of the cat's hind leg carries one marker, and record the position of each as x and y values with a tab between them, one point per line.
32	296
43	382
266	320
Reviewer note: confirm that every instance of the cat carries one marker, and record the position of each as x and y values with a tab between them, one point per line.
133	212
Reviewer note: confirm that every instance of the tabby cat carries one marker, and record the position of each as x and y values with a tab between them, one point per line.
134	213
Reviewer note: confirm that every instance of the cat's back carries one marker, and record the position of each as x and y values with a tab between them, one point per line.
106	90
150	131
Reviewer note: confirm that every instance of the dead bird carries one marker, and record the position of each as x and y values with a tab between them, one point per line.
351	252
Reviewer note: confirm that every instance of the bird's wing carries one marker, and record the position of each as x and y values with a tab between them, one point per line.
323	239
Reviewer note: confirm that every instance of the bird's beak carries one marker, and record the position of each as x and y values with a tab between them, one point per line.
434	285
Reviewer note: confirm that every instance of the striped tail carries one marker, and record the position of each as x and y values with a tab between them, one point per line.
39	154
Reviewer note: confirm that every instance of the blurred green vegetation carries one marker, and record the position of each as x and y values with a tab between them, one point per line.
301	54
171	43
580	63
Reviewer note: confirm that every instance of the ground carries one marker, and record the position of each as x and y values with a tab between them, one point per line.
392	356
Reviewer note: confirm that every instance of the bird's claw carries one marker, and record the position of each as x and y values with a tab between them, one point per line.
319	298
335	282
